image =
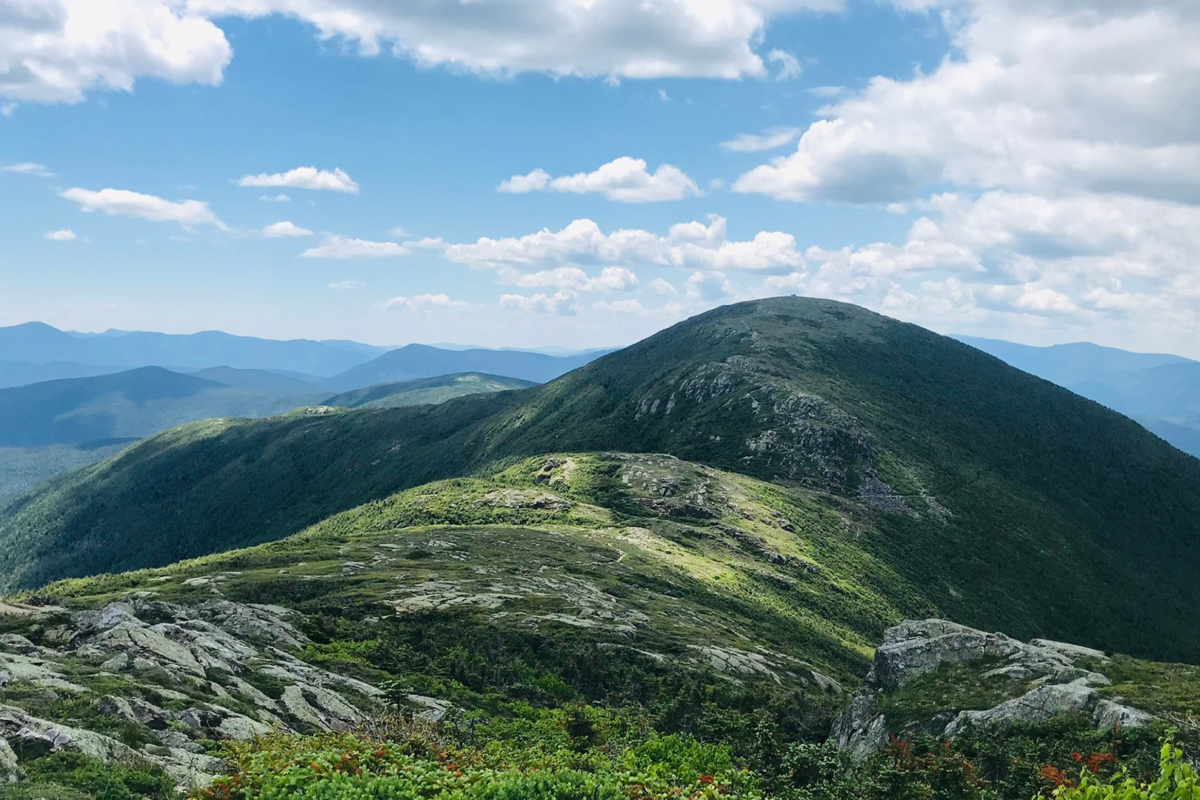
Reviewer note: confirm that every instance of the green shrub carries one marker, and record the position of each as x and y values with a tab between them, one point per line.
1177	780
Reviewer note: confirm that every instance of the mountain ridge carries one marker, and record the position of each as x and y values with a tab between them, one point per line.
823	398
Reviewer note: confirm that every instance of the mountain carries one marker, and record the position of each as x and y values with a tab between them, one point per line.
423	361
423	391
126	405
38	343
18	373
1160	391
260	380
961	486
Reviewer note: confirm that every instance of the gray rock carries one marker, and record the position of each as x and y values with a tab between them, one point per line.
1039	705
861	729
1109	714
1056	684
10	770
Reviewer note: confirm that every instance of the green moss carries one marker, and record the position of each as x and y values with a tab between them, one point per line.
950	688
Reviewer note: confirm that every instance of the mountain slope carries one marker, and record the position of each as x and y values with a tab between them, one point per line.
1160	391
423	361
1013	503
258	379
423	391
124	405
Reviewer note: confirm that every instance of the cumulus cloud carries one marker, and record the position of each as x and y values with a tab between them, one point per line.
691	245
660	286
625	180
341	247
28	168
65	235
55	51
305	178
427	302
343	286
275	198
561	302
757	143
714	39
121	202
1041	97
284	230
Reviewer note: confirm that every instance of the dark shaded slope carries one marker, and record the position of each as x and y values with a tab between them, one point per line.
125	405
1014	503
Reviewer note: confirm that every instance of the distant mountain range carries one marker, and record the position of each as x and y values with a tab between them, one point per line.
38	343
34	352
1160	391
423	361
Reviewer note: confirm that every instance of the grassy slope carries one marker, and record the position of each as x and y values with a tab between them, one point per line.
723	560
1061	518
425	391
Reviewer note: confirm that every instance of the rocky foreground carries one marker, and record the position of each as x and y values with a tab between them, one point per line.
145	679
164	680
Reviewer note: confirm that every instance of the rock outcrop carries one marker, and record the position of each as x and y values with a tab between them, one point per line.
188	673
1044	679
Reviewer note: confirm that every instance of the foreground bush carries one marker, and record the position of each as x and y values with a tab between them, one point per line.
1177	780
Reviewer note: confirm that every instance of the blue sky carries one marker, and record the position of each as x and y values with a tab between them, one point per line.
1000	167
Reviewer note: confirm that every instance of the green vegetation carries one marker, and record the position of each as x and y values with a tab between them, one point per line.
585	751
939	461
67	776
1177	780
425	391
22	468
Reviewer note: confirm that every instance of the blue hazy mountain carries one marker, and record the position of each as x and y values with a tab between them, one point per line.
1160	391
424	361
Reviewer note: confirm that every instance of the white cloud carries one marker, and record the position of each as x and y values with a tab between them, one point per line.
1050	98
789	65
691	245
284	230
305	178
659	286
619	306
55	51
708	287
755	143
65	235
341	247
120	202
625	180
663	96
28	168
343	286
713	39
9	109
275	198
561	302
610	279
427	302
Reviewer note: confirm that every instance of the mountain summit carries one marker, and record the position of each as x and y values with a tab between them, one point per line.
992	497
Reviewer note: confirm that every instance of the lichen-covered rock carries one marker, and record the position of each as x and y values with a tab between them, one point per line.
1049	679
